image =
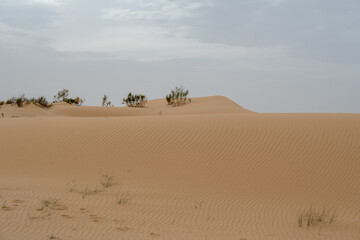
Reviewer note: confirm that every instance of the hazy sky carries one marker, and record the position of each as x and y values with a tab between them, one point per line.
266	55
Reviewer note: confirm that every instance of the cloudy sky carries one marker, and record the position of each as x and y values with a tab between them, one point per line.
266	55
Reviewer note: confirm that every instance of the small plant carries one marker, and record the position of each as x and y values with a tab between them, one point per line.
5	206
313	217
136	100
123	198
84	192
40	216
106	102
52	236
107	181
52	204
178	97
2	103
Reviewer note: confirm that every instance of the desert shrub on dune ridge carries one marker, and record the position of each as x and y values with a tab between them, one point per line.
62	96
135	100
41	102
178	97
106	102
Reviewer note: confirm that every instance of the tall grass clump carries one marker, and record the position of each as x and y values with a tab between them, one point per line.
313	217
135	100
178	97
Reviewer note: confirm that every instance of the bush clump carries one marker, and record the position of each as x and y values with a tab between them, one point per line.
106	102
2	103
41	101
62	96
20	100
135	100
178	97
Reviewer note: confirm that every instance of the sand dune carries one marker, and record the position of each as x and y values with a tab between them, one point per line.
207	170
202	105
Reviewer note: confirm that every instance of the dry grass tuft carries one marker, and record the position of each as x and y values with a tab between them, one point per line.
313	217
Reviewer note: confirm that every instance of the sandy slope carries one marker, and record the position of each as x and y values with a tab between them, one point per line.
223	174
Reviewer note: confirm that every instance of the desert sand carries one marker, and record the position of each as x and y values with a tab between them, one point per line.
208	170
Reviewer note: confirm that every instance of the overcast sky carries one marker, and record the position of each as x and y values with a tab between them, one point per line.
266	55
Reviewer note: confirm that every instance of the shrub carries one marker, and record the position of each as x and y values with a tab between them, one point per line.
9	101
136	100
76	101
106	102
62	96
21	100
2	103
177	97
41	101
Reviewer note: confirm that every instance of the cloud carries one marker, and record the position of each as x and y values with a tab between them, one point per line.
56	3
47	2
153	10
155	43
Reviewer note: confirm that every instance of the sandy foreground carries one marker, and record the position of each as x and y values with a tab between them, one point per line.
207	170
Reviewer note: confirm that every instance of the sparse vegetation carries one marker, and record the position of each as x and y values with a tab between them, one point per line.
106	102
18	100
2	103
178	97
21	100
135	100
41	101
314	217
123	198
52	204
72	187
52	236
40	216
107	181
62	96
4	206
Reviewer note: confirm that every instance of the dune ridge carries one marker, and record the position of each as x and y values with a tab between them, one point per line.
201	105
196	173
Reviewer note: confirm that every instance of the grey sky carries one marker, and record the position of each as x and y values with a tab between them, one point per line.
266	55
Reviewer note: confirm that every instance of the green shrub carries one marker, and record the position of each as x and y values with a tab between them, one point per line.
21	100
41	101
2	103
136	100
178	97
62	96
9	101
106	102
